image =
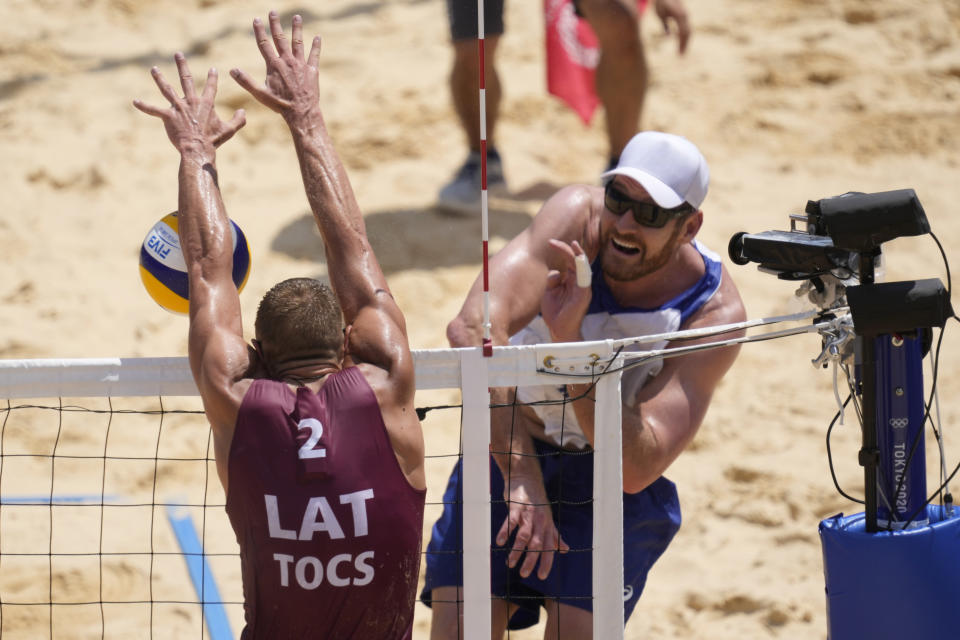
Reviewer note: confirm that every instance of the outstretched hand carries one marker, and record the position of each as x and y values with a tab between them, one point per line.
291	87
191	121
564	303
673	11
532	519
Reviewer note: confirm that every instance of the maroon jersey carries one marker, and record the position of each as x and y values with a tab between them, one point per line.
328	526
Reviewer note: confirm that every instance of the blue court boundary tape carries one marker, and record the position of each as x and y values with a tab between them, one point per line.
57	500
218	626
201	575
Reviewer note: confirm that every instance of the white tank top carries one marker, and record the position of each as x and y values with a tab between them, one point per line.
607	319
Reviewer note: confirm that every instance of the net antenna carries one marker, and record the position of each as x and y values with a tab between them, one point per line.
484	207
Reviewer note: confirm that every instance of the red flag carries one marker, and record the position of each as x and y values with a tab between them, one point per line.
572	56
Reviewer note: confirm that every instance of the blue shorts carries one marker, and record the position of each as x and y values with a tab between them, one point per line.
651	519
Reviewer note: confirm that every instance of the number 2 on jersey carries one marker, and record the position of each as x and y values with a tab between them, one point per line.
307	450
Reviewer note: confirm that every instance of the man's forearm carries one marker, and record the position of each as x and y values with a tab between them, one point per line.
510	442
324	178
202	221
354	272
644	456
583	401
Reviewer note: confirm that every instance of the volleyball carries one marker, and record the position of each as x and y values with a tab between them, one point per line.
164	271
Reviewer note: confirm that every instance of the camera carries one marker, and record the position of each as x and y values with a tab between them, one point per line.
836	251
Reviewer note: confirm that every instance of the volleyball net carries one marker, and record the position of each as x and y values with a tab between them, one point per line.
112	516
110	507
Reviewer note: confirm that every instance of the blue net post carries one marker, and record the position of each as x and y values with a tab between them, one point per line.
894	581
902	471
869	456
892	584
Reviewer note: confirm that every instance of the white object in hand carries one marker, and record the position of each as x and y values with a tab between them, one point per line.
583	271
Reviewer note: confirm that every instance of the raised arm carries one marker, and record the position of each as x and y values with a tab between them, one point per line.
518	278
218	354
518	272
376	325
376	337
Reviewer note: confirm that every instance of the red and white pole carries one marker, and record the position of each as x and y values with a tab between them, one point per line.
484	216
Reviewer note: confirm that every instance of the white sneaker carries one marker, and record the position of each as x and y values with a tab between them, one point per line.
462	194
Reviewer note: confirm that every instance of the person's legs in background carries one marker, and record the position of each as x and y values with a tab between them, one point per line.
621	76
462	193
464	83
446	622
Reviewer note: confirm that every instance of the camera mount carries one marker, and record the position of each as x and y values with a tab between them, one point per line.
836	251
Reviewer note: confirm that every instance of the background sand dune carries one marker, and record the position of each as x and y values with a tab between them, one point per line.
790	100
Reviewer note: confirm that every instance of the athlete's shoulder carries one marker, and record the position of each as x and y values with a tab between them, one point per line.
571	201
725	306
576	193
222	400
569	214
396	403
258	394
386	388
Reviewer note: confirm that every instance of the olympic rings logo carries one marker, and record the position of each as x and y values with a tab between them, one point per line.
899	423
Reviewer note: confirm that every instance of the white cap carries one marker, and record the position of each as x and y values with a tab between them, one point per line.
669	167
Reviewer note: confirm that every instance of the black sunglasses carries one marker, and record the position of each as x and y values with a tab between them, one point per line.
646	214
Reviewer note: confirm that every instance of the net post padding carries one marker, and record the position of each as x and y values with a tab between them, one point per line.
608	583
476	494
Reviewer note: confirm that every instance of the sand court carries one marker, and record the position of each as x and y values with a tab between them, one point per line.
789	100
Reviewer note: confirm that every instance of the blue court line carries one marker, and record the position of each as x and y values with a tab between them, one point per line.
218	626
58	499
200	574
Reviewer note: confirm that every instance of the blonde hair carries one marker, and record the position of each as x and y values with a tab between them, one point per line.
299	317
